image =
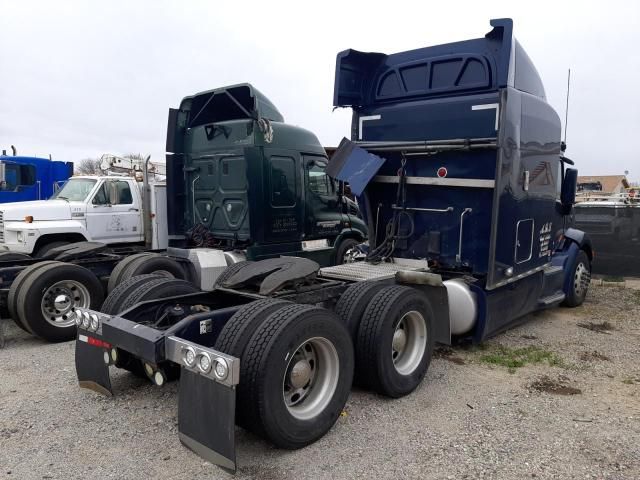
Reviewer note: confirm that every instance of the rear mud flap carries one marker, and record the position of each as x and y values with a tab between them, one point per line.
206	419
91	370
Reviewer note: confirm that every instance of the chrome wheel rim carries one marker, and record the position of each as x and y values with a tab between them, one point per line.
311	378
350	255
60	301
581	279
409	342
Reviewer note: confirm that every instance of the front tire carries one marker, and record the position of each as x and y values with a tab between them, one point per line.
341	252
44	251
295	375
580	279
13	257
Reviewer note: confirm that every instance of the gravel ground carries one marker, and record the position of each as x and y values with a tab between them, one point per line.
468	419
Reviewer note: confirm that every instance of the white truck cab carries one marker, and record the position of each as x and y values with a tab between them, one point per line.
106	209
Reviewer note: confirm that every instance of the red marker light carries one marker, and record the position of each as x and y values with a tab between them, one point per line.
442	172
96	342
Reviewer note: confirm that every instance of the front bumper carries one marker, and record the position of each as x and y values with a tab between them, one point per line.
207	396
17	247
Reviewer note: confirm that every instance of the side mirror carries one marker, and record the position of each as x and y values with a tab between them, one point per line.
568	192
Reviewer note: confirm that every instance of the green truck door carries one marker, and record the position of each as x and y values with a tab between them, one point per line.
283	206
323	219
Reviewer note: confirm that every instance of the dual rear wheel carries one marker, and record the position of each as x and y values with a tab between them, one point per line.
297	361
296	369
44	296
391	327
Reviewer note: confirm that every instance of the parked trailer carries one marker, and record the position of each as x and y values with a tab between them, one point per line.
247	187
613	223
455	157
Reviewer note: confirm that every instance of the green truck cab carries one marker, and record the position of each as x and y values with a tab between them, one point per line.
236	171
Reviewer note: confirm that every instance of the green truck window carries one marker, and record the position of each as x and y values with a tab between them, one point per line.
319	181
283	182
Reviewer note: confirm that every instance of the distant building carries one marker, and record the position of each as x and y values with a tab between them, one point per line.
603	183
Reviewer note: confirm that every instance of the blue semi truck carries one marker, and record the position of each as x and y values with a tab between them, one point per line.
456	159
30	178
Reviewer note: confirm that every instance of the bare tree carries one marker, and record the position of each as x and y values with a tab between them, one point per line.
88	166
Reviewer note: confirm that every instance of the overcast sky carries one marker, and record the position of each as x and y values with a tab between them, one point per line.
79	79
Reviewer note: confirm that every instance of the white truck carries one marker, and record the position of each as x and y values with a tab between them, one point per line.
108	209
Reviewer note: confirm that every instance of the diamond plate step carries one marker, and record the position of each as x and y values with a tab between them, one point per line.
359	271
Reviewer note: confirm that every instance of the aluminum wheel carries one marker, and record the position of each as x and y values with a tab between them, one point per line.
61	299
581	279
409	342
311	378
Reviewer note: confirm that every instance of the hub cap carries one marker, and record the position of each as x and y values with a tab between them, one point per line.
409	342
61	299
581	279
311	378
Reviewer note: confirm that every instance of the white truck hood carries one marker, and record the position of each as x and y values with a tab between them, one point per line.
38	209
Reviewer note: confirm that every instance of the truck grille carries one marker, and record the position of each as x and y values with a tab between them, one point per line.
1	226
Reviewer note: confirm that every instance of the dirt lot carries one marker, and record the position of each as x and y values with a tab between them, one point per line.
558	397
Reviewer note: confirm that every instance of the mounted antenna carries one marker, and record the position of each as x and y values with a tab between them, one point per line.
566	110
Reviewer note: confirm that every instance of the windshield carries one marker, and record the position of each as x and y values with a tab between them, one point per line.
75	190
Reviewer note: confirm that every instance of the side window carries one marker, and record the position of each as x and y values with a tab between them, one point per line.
102	195
319	182
123	190
19	175
283	182
27	175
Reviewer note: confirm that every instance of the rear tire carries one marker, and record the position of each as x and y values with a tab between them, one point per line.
140	289
153	264
16	286
580	279
112	304
60	288
395	341
353	303
237	332
156	289
229	272
114	278
295	375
